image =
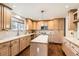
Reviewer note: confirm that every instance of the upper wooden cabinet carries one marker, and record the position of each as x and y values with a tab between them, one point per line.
71	19
5	18
50	24
34	25
0	18
29	24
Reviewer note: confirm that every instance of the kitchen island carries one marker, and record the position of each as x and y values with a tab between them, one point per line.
39	46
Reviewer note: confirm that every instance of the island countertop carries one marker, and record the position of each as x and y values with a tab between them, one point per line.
41	39
2	40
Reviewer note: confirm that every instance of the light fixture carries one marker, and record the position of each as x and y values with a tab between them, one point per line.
42	14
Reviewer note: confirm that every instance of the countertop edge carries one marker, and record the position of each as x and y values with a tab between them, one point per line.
73	42
14	38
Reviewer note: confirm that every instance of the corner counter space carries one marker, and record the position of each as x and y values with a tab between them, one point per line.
39	46
71	46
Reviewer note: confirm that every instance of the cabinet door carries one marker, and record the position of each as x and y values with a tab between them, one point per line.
61	24
50	25
5	49
0	17
15	47
7	18
34	25
22	43
28	39
55	24
71	25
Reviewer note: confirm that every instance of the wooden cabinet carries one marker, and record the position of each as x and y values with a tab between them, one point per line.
38	49
24	42
70	49
5	18
55	24
14	47
5	49
61	24
28	40
0	17
71	19
29	23
34	25
50	25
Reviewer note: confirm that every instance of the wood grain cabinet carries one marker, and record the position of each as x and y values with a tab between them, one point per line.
5	49
0	17
70	49
24	42
28	40
14	47
5	18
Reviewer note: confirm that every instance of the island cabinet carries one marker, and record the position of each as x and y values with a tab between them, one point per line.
39	46
5	49
5	17
14	47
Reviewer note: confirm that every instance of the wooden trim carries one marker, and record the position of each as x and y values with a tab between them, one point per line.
55	43
5	6
47	19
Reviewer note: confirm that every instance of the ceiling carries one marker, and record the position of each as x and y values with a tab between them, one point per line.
52	10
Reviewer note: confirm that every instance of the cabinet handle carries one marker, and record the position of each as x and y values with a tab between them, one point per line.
11	45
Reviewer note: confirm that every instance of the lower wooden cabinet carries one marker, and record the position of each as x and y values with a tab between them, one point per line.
5	49
28	40
70	49
24	42
14	47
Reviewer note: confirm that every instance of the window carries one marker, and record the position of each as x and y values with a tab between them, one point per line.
17	24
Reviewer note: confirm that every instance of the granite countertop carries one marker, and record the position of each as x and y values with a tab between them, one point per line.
75	41
41	39
2	40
